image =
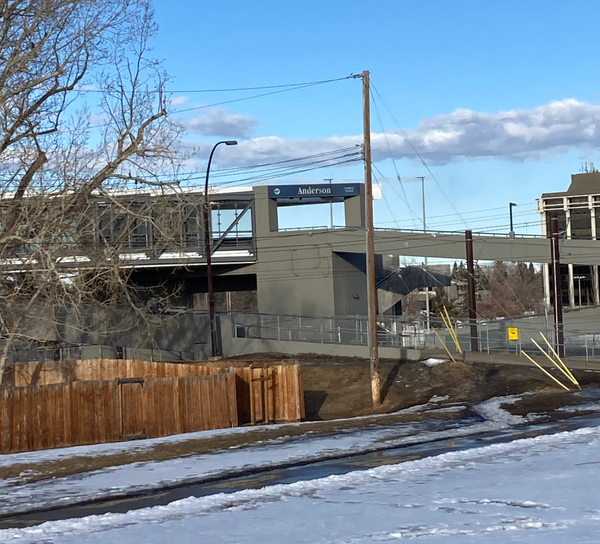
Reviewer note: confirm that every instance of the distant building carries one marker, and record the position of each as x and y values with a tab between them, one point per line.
578	219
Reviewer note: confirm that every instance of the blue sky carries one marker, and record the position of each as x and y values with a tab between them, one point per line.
501	99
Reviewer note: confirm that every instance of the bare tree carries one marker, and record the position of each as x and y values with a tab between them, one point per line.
83	119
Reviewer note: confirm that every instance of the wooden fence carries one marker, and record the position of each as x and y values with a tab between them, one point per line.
267	392
90	412
57	404
51	372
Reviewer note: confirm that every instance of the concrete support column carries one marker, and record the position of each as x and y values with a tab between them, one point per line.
546	276
354	210
571	287
570	280
593	267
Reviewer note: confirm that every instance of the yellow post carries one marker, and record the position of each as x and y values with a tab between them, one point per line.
451	330
443	344
561	361
546	372
555	363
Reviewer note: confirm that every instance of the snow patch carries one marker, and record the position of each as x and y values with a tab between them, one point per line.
434	362
491	410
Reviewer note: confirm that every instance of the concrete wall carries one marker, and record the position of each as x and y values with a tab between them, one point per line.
349	288
186	332
242	346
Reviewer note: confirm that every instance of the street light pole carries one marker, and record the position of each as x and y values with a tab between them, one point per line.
207	250
511	234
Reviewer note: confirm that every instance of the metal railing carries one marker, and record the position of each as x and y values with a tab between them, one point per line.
400	331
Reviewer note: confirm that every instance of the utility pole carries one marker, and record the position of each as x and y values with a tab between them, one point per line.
422	178
370	249
557	280
471	291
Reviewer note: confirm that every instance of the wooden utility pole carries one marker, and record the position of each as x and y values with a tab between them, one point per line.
371	286
471	291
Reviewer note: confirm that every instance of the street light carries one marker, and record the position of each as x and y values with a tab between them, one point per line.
511	234
207	249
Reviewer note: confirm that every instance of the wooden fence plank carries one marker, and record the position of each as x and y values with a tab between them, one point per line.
6	419
132	410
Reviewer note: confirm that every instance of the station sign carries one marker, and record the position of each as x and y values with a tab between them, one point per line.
332	190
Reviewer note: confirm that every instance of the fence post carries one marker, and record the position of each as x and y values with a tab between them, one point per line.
278	328
487	336
322	339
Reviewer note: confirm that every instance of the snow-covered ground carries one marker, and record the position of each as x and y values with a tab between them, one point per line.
533	490
539	490
116	481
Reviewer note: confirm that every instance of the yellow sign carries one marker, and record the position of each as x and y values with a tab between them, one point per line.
513	333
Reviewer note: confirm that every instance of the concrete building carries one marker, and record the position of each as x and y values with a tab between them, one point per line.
578	219
313	271
301	271
287	274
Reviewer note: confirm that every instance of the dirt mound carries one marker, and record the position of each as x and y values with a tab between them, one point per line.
343	390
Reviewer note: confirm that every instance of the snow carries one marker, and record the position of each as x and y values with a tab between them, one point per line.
113	447
115	481
432	361
535	490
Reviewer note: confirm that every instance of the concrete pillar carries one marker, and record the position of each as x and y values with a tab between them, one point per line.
354	211
547	294
546	266
265	212
570	280
593	267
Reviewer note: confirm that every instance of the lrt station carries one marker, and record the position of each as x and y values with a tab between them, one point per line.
304	290
320	271
256	266
263	274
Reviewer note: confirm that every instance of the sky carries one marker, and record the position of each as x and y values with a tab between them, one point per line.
492	102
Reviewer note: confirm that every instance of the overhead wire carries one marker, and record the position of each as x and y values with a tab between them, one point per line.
236	89
418	154
405	197
261	95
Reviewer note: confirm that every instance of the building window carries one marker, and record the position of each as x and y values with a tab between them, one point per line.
581	224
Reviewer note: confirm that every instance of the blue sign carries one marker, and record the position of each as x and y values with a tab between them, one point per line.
314	191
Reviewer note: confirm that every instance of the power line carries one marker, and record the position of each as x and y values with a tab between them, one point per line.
279	91
393	160
234	89
419	155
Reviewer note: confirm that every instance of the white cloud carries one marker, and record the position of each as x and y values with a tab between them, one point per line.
179	101
552	128
218	122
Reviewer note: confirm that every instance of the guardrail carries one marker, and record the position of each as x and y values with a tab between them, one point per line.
459	233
